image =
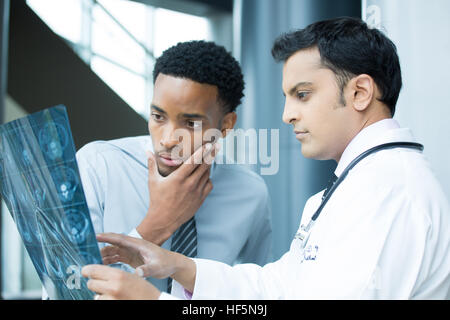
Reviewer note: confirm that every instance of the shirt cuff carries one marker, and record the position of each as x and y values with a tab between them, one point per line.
188	294
166	296
180	292
208	286
135	234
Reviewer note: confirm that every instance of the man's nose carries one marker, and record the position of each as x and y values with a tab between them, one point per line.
290	113
169	138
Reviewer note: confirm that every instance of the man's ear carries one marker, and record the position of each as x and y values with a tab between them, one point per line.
228	122
363	90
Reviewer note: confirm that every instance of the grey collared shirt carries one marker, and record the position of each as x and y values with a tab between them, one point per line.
233	223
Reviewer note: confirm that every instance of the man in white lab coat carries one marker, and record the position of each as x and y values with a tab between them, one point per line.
383	231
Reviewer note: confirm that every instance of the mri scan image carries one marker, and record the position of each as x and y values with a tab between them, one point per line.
76	225
53	139
42	189
66	183
66	190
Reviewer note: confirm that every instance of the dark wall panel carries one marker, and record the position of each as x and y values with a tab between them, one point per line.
4	23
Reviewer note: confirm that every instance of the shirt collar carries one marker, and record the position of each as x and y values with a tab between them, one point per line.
384	131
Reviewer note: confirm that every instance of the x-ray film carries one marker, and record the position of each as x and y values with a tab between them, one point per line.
41	186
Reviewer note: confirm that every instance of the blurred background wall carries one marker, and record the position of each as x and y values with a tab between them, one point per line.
97	56
421	32
258	23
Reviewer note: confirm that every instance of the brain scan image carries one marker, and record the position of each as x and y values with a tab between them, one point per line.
67	190
66	185
76	226
41	186
53	139
54	150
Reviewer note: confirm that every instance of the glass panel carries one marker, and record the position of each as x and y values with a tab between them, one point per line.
63	16
112	42
132	15
188	27
129	86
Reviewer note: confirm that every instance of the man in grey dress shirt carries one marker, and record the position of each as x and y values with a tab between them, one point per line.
197	86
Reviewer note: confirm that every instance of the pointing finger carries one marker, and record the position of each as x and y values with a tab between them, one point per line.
99	272
121	240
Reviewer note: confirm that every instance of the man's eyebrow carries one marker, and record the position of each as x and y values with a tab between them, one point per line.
192	116
183	115
158	109
298	86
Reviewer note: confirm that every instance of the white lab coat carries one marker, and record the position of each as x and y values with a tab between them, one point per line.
384	234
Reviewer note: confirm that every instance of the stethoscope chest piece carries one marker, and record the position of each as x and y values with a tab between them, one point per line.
303	234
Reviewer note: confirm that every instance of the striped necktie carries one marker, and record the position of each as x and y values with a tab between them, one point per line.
184	241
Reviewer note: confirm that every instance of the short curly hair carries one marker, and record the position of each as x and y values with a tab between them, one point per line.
205	62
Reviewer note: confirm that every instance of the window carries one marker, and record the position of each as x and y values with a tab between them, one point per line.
63	16
129	85
121	54
187	27
120	39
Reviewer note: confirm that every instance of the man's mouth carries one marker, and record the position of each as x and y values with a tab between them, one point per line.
168	161
300	134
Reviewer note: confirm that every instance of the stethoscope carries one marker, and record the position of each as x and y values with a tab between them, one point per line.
304	232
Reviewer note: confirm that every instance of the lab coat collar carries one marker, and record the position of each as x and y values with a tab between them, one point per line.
384	131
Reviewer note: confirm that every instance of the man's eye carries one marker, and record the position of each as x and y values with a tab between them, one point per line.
194	124
302	95
157	117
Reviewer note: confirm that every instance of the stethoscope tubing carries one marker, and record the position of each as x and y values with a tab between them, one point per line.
303	234
391	145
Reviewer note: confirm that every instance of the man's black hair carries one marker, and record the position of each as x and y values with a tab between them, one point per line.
349	48
204	62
